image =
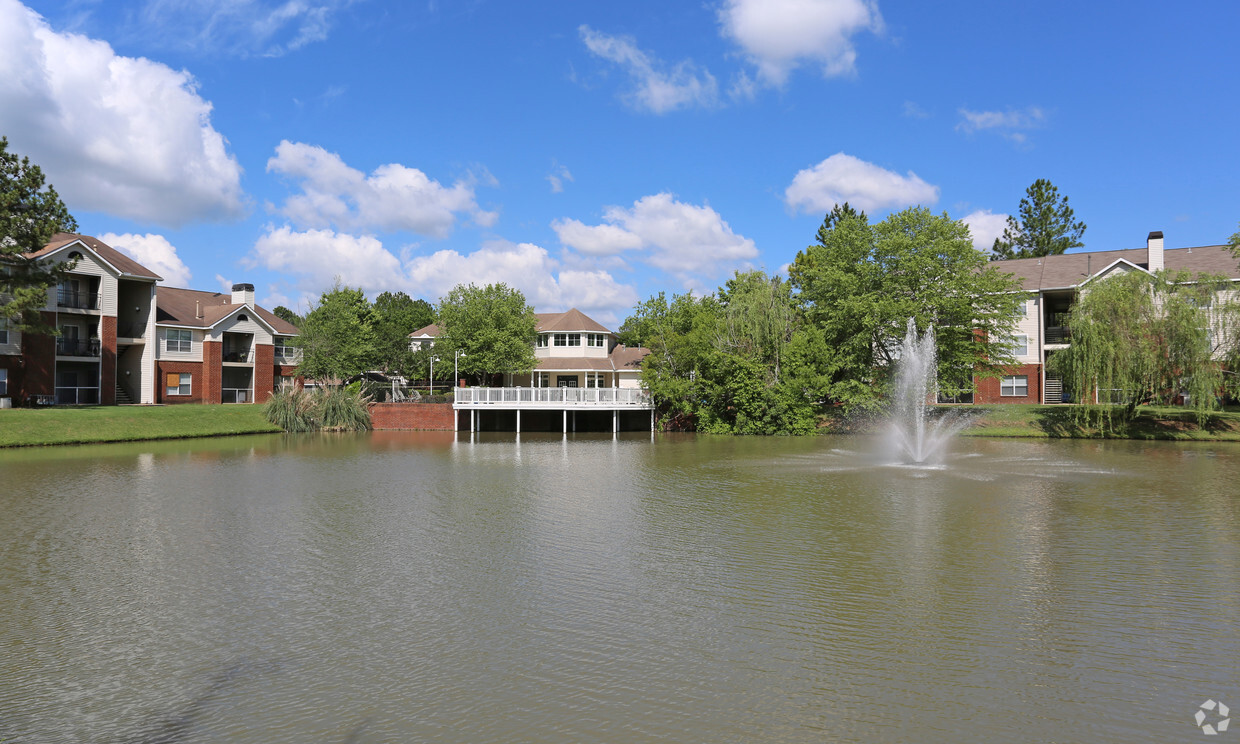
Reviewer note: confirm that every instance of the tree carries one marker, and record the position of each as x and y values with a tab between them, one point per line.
1139	339
492	325
1234	244
861	283
396	316
30	215
337	336
1045	228
288	316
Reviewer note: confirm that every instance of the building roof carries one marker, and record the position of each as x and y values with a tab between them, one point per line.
199	309
1071	269
621	359
125	265
431	330
572	320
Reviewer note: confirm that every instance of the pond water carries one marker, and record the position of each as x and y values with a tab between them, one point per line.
405	587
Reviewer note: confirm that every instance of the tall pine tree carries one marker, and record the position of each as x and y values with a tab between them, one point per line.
1046	226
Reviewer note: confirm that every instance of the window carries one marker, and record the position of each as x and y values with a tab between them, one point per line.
566	381
283	349
180	384
4	382
285	383
595	339
1019	345
568	339
541	342
574	339
543	379
4	331
177	341
1015	386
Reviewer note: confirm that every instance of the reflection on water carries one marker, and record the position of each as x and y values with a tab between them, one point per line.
438	587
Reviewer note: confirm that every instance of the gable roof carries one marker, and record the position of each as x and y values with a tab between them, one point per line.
572	320
199	309
1072	269
431	330
124	265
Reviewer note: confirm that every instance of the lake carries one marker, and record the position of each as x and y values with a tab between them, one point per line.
408	587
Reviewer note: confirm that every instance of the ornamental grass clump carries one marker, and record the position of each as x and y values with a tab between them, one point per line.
325	410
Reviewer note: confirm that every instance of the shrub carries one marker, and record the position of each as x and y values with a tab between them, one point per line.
332	410
292	410
343	410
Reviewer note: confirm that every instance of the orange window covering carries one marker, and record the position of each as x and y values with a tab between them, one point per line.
174	379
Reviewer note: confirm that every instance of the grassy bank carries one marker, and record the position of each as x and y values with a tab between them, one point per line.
21	427
1151	422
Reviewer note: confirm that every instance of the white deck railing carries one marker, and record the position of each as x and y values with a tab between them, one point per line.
550	397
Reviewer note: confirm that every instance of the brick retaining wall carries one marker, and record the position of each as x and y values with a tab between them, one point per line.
413	416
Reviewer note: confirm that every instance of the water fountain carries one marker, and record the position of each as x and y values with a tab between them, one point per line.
914	436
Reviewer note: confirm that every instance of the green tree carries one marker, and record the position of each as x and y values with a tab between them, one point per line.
861	283
1139	339
396	316
1046	226
288	316
31	212
338	336
492	325
1234	244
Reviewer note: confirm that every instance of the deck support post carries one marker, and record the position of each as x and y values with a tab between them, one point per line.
615	420
564	423
518	420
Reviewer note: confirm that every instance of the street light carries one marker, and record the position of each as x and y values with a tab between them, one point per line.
433	360
456	375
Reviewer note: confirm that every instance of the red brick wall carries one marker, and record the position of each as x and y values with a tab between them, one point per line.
39	353
413	416
264	372
107	360
988	390
163	369
212	372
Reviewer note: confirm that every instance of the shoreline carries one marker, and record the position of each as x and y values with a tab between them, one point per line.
44	427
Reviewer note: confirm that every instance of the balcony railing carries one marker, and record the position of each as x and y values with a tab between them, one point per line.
552	397
287	355
236	395
244	356
76	396
135	330
77	347
79	300
1058	334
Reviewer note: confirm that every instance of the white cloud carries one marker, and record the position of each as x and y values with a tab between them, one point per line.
153	252
393	197
984	226
1008	123
865	186
596	240
243	28
125	136
318	256
559	174
778	35
912	111
656	90
684	239
527	267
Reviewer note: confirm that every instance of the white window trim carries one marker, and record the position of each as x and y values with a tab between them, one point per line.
1009	382
4	383
187	340
186	384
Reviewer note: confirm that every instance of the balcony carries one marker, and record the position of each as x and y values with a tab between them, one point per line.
74	347
1057	330
552	397
238	356
287	355
236	395
77	396
77	299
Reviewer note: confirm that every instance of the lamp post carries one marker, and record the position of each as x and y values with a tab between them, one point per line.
432	392
456	375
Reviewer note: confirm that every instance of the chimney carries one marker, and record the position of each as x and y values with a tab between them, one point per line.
243	294
1154	249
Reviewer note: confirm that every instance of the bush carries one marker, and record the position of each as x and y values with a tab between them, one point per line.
343	410
292	410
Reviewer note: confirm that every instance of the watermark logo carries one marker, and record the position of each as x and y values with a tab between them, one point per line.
1215	711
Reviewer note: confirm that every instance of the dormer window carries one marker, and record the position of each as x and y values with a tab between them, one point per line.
541	341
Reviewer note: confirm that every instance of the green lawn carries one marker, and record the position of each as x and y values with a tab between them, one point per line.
78	425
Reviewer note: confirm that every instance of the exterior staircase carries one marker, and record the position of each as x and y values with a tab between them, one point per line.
122	396
1054	390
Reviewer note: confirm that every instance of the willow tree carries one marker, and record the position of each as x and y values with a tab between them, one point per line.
1139	338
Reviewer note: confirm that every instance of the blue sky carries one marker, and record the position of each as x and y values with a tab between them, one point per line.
592	154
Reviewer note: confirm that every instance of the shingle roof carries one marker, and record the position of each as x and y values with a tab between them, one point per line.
572	320
122	263
431	330
621	359
1070	269
199	309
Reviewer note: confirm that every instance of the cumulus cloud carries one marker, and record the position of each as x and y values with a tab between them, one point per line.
1011	124
779	35
656	89
682	238
153	252
125	136
317	257
393	197
865	186
984	226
